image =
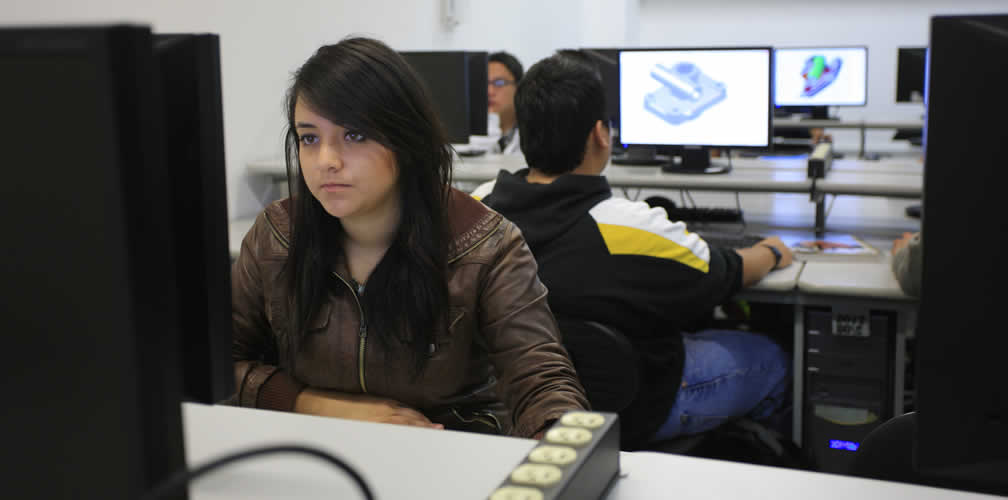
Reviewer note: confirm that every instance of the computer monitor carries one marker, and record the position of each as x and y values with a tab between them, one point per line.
117	281
607	61
695	98
88	274
454	89
814	78
910	67
478	77
961	400
193	134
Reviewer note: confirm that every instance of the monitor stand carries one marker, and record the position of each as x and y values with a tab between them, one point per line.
695	160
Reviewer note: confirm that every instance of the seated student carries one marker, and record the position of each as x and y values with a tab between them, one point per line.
625	265
376	291
503	74
906	262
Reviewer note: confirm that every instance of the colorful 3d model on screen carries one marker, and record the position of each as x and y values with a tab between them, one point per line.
818	74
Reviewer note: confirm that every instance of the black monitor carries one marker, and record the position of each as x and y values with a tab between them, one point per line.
695	99
120	259
455	89
910	67
193	127
88	274
962	400
607	62
478	77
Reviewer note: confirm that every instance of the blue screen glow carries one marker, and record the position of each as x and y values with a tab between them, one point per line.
837	444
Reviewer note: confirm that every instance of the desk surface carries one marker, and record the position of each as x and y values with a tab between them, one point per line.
852	278
401	462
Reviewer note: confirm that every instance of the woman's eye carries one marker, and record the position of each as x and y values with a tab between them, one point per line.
309	139
354	136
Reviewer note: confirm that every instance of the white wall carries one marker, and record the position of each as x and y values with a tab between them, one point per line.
263	41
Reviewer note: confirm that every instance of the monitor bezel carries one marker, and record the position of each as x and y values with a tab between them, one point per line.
826	47
770	89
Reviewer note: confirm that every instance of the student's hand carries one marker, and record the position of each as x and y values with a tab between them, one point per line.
786	256
359	407
900	243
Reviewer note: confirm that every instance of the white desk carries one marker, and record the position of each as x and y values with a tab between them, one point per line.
400	462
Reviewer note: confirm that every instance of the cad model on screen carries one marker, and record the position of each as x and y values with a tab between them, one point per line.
818	74
685	94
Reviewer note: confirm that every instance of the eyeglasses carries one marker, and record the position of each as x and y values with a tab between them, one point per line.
500	82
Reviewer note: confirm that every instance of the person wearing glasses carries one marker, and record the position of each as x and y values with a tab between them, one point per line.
503	74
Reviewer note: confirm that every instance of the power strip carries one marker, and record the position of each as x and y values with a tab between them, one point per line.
577	459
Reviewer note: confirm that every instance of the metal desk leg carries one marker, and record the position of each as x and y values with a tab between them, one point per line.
798	375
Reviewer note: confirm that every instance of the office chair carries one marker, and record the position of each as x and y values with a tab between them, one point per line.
606	362
887	451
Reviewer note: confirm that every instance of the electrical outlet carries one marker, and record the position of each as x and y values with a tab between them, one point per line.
572	436
516	493
536	474
583	419
556	455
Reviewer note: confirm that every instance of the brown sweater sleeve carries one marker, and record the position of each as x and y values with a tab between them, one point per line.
537	377
260	382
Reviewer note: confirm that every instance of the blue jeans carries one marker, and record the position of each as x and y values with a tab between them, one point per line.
727	374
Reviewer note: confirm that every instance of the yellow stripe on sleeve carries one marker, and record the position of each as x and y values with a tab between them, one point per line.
624	240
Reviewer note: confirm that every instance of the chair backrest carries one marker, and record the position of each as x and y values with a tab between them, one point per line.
606	362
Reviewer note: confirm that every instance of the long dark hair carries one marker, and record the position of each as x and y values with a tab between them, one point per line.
362	84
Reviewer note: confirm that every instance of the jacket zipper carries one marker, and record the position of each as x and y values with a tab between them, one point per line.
361	333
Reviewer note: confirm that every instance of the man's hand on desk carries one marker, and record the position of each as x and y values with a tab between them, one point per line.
359	407
761	258
786	256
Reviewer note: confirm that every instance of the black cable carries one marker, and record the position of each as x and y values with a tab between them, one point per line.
185	476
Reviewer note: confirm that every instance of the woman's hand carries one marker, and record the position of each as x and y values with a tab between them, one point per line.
359	407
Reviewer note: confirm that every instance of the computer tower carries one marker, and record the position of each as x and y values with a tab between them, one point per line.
848	380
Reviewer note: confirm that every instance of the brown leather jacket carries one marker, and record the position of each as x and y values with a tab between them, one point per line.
502	344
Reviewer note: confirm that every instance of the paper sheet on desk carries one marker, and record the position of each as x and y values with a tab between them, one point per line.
833	246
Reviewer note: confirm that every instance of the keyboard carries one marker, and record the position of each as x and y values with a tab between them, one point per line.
731	240
703	214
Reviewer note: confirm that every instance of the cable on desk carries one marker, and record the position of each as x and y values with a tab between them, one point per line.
186	476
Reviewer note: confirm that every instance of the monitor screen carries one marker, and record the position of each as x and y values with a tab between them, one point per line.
446	76
910	67
695	97
821	76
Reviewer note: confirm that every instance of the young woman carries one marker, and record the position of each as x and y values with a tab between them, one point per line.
376	291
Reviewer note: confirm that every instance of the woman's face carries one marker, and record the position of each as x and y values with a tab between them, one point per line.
349	174
500	99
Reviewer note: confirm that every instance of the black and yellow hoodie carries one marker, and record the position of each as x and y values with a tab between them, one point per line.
623	264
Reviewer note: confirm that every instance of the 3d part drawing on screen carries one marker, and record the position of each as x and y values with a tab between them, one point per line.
685	94
819	75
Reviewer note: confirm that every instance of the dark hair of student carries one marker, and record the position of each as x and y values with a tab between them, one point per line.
509	61
557	104
363	85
